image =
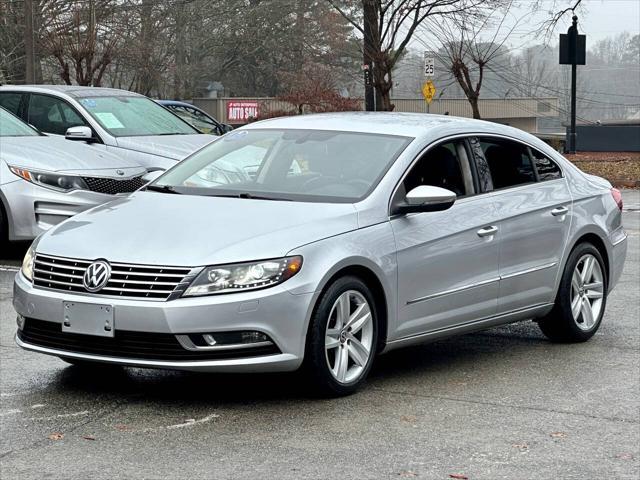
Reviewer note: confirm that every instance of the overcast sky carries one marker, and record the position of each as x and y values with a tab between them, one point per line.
597	19
602	18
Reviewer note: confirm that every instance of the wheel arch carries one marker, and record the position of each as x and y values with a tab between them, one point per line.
599	244
373	281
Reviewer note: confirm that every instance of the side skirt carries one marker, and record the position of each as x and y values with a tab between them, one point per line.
472	326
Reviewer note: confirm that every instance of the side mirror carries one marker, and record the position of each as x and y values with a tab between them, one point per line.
427	198
79	133
226	128
151	176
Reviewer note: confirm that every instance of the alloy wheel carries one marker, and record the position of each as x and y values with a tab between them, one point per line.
349	336
587	292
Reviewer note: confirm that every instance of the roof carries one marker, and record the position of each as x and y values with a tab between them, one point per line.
390	123
74	91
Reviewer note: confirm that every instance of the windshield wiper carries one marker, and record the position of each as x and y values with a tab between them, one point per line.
249	196
162	188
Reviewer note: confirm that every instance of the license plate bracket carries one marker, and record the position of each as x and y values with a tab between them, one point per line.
88	319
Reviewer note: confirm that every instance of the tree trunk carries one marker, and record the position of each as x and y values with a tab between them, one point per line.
473	101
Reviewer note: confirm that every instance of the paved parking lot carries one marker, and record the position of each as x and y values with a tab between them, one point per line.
504	403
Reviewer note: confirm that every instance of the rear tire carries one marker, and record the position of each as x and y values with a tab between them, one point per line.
342	339
581	299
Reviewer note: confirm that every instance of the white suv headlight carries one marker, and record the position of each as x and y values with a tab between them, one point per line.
240	277
27	263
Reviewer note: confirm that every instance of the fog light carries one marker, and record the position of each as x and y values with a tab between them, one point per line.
20	321
253	337
209	340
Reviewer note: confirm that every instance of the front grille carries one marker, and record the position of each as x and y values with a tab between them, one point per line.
113	185
127	344
135	281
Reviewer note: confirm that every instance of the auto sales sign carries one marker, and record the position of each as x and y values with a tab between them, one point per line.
241	111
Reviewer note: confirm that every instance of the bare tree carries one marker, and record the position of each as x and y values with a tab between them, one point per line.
465	54
81	39
389	26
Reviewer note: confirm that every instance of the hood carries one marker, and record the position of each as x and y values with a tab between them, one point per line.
55	154
156	228
175	147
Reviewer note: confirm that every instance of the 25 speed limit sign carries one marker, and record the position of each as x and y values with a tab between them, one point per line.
428	66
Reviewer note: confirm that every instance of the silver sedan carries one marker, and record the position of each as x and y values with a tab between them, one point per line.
45	180
357	234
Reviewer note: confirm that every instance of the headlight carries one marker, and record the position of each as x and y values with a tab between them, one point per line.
27	263
63	183
243	276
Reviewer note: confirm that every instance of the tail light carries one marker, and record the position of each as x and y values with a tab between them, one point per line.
617	197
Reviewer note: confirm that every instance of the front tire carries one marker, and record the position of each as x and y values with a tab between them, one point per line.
581	299
342	339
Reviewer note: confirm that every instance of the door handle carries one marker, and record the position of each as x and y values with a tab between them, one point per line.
487	231
559	211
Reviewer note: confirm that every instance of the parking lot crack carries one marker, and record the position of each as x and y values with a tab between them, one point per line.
506	405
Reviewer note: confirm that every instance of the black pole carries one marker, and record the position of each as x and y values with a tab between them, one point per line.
370	22
573	42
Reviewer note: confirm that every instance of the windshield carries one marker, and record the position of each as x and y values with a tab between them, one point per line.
302	165
12	126
128	116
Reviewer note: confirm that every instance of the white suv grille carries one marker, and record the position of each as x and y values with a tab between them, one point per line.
127	280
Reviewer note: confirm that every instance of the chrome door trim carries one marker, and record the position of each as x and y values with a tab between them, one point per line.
453	290
464	136
458	326
528	270
484	282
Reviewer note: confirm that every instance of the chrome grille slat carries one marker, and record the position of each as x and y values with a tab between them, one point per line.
59	265
150	282
140	282
57	282
140	274
57	274
114	289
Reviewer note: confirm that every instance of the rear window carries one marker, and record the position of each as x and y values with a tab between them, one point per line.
509	162
547	168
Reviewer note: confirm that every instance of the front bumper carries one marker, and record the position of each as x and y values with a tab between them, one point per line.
276	312
33	209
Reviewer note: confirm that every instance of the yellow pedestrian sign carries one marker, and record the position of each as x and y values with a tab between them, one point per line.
428	90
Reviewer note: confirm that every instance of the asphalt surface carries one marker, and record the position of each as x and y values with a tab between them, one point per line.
504	403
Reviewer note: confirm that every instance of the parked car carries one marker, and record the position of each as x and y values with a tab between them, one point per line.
196	117
395	229
128	124
46	179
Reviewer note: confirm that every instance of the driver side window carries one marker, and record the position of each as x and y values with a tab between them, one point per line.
52	115
446	166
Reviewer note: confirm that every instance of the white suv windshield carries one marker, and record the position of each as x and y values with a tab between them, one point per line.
303	165
129	116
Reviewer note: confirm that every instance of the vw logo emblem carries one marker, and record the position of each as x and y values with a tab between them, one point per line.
96	276
120	172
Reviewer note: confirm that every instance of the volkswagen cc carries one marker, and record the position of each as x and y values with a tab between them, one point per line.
358	233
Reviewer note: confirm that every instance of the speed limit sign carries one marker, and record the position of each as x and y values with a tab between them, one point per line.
428	65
